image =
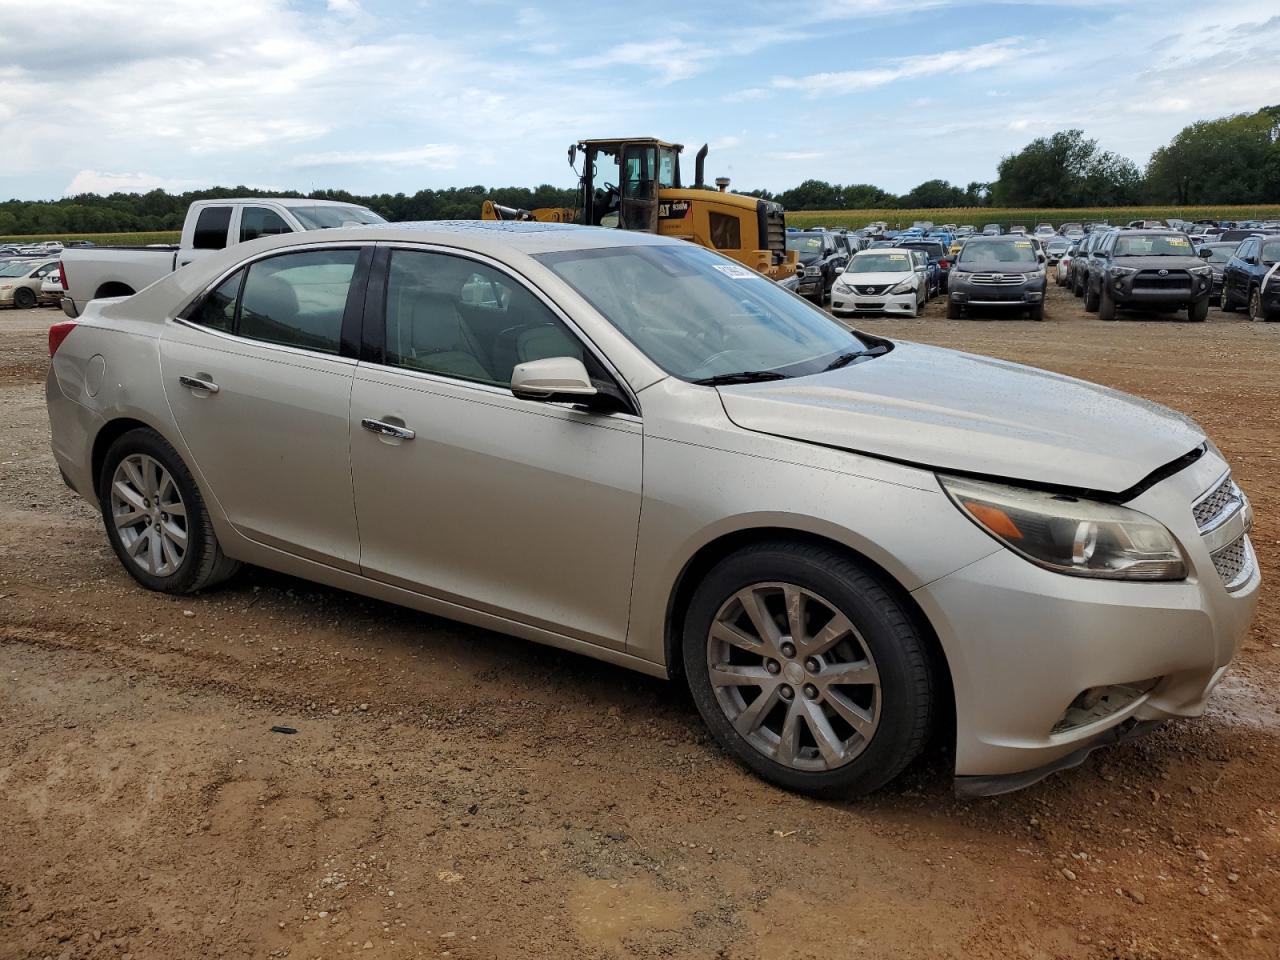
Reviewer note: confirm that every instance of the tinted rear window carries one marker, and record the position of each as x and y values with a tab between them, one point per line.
211	228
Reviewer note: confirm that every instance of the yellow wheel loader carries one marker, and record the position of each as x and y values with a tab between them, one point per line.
635	185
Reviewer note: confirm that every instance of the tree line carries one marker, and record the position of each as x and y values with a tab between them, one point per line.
1231	160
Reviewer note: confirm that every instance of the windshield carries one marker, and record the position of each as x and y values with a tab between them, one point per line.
697	314
324	217
1001	253
1057	244
880	263
1152	245
1271	251
17	268
806	248
1220	252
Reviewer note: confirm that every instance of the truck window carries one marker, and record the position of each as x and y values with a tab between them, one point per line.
726	233
211	228
258	222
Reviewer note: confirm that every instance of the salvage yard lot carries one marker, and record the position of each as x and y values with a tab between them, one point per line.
452	791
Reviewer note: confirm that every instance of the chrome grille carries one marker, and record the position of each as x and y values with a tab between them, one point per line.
870	290
1218	505
1234	563
1172	280
997	279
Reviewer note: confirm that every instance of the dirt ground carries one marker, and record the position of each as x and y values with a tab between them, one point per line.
451	792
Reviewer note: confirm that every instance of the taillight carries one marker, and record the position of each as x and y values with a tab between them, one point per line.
59	332
945	264
62	275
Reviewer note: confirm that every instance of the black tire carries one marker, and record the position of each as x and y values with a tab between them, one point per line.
1198	312
203	563
886	631
24	298
1090	299
1226	304
1255	304
1036	313
954	310
1106	306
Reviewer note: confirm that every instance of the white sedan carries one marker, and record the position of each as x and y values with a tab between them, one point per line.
880	281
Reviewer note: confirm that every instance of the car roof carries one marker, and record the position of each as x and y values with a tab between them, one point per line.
282	201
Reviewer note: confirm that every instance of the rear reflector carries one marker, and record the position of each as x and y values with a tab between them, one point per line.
59	332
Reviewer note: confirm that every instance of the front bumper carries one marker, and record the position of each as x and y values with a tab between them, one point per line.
1023	643
844	304
980	295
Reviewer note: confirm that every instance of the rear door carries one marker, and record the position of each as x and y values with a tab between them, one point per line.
258	376
523	510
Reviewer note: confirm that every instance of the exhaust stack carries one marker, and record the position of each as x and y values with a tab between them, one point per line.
699	164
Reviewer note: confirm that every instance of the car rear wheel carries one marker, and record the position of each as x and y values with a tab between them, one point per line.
24	298
807	669
1255	304
156	519
1198	312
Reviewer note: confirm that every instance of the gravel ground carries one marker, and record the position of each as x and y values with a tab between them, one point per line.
452	792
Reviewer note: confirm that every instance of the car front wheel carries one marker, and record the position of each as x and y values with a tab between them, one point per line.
807	669
155	517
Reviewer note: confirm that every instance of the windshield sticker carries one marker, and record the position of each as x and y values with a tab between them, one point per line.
1025	244
1178	241
736	272
897	256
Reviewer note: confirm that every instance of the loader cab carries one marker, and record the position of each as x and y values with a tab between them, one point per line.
620	181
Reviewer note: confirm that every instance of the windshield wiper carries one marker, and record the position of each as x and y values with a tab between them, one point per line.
847	358
742	376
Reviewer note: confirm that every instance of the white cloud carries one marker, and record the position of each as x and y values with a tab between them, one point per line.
967	60
92	181
436	155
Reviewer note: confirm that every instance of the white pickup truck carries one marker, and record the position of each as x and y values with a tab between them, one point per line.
89	273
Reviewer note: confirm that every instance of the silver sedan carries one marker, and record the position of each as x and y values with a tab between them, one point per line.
633	448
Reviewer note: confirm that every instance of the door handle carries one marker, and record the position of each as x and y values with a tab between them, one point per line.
195	383
384	429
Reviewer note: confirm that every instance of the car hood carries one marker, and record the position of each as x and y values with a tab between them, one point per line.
876	279
948	410
1159	263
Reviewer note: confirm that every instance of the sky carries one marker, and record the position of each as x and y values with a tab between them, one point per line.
394	96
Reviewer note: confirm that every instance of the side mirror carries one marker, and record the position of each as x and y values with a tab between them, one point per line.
839	269
1204	254
1041	257
555	379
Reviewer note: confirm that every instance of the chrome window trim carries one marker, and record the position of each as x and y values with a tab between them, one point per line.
508	270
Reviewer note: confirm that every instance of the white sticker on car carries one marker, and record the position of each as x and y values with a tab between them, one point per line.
736	272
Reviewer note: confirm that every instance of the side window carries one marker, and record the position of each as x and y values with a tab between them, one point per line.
726	231
258	222
298	299
458	318
211	228
218	309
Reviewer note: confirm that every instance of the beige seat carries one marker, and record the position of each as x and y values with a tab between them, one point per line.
430	336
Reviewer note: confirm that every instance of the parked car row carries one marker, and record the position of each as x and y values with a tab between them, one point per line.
26	281
1164	268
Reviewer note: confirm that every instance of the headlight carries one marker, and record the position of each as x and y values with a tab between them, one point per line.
1083	538
1032	276
1121	271
905	286
1202	271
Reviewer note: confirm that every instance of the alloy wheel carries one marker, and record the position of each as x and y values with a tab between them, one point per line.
1255	305
794	676
149	515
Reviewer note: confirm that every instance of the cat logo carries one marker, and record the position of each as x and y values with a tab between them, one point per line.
673	210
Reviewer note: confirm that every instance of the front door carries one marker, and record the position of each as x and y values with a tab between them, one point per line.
261	395
515	508
639	209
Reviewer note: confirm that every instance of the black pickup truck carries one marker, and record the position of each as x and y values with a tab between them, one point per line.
1148	268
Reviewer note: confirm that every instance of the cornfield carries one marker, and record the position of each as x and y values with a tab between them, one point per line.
100	239
980	216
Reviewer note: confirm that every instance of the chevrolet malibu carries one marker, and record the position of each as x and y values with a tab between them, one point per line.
631	447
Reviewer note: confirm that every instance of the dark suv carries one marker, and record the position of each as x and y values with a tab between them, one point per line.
937	252
1247	272
1148	268
997	272
820	256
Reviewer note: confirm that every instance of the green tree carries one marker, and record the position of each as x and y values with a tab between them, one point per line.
1065	170
933	193
1233	159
